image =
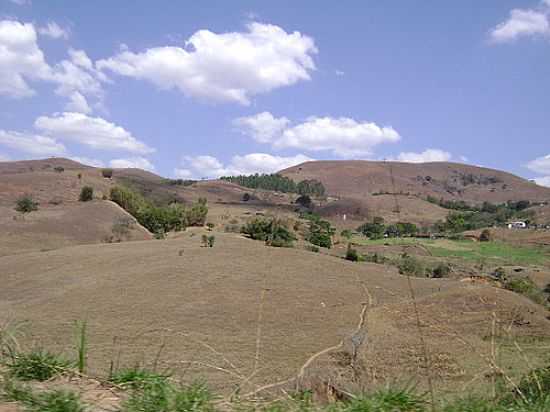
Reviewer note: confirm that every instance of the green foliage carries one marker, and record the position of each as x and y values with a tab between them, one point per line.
81	346
374	229
270	230
159	219
389	400
86	194
527	288
320	231
163	397
180	182
37	365
136	378
375	258
48	401
107	173
26	204
312	248
535	385
278	183
210	240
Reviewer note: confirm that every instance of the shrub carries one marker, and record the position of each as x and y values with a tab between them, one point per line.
196	216
26	204
525	287
270	230
486	236
59	169
304	201
441	271
86	194
320	231
312	248
375	258
411	266
374	229
107	173
210	226
246	197
37	365
535	384
346	233
351	254
210	241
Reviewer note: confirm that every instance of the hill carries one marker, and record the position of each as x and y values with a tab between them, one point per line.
362	179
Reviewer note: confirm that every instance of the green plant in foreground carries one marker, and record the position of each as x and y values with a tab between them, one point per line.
37	365
136	378
50	401
163	397
86	194
389	400
81	346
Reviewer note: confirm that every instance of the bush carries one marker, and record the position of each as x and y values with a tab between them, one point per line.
351	254
59	169
86	194
411	266
374	229
196	216
346	233
304	201
107	173
270	230
26	204
37	365
246	197
486	236
210	241
441	271
312	248
525	287
320	231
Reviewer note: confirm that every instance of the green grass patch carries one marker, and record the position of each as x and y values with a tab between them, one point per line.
37	365
136	378
48	401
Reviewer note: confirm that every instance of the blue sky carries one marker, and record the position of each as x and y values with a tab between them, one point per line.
200	89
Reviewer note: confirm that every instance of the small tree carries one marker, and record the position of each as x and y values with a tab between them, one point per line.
107	173
86	194
26	204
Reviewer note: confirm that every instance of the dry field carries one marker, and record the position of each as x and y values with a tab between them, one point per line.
243	315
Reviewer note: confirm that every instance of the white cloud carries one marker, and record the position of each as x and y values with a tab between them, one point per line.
543	181
33	144
132	163
22	61
210	167
263	127
227	67
94	132
523	23
540	165
342	136
54	30
88	161
428	155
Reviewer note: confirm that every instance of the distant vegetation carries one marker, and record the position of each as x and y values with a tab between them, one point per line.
278	183
159	219
180	182
320	231
377	229
26	204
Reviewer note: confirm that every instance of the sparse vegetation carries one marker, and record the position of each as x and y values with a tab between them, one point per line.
59	169
352	254
136	378
26	204
411	266
86	194
526	287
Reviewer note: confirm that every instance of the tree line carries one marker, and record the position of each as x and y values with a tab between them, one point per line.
278	183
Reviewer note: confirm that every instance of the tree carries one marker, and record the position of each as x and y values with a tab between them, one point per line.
270	230
86	194
26	204
304	201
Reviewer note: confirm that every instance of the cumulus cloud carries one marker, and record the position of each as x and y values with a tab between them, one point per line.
342	136
211	167
54	30
263	127
523	23
94	132
226	67
33	144
428	155
22	62
132	163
